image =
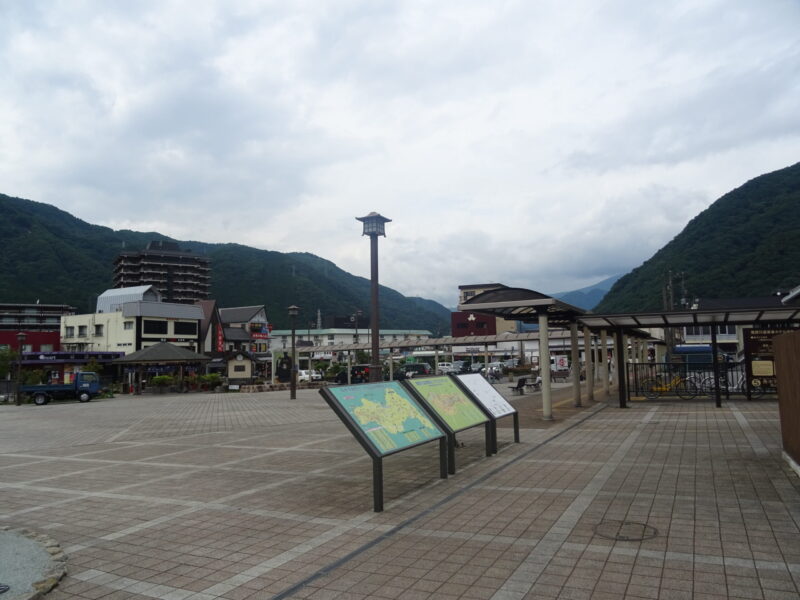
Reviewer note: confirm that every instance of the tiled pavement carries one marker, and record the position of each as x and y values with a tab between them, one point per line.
241	496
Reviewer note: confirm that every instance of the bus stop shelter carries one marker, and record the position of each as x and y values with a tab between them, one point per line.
529	306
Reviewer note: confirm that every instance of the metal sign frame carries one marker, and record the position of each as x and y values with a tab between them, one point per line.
372	450
479	401
451	433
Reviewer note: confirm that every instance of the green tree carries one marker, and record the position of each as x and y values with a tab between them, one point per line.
7	359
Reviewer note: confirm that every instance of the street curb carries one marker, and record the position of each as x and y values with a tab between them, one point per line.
56	570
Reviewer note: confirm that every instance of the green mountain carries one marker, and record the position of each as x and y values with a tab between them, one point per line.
746	244
51	256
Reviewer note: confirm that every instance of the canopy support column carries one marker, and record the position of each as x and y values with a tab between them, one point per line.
575	356
588	352
544	367
603	362
715	358
619	356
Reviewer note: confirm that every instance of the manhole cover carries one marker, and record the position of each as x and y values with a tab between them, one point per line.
626	531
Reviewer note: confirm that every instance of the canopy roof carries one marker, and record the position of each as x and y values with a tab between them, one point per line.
524	305
160	353
717	316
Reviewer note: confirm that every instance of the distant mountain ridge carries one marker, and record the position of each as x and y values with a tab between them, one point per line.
746	244
52	256
590	296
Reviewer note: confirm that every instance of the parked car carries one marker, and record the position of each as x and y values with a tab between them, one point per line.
304	375
315	375
416	369
461	366
445	367
476	367
358	374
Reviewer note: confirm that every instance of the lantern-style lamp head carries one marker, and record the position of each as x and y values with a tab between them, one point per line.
293	310
374	224
21	337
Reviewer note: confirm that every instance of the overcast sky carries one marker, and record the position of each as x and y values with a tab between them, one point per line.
541	144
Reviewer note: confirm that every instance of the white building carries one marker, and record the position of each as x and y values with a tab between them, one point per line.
129	319
281	339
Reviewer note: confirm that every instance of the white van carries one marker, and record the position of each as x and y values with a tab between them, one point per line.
445	367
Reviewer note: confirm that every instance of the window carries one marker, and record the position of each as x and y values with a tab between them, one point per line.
70	332
185	327
127	325
46	348
27	347
238	368
149	326
330	336
98	330
82	330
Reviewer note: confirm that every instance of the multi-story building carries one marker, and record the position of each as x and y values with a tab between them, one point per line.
181	277
472	324
129	319
39	322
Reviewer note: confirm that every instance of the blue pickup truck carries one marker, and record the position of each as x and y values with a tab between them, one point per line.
84	387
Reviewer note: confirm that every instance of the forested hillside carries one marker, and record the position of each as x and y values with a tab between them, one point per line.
53	257
746	244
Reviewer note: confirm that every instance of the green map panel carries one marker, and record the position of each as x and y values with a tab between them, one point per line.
387	414
450	403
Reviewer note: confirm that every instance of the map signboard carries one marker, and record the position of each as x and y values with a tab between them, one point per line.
451	404
485	393
385	414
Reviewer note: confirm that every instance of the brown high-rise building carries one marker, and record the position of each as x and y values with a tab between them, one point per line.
179	276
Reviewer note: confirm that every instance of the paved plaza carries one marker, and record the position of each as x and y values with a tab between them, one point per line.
240	496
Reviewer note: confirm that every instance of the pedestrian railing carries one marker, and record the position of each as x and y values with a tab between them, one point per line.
689	380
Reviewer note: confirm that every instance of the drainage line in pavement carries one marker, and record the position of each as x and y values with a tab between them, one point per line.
390	533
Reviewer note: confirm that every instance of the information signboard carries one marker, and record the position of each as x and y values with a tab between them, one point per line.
385	415
451	404
485	393
760	357
385	418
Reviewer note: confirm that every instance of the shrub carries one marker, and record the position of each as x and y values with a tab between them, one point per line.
211	380
161	381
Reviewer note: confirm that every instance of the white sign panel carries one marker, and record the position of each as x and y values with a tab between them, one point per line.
485	393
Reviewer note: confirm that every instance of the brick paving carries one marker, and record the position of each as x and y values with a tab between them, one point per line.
241	496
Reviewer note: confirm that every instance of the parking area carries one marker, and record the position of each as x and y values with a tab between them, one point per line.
242	496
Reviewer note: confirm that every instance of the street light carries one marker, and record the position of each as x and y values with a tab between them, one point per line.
373	227
21	340
354	319
293	311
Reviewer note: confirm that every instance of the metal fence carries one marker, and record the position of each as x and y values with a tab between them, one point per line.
690	380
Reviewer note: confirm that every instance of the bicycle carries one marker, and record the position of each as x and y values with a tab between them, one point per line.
737	387
656	386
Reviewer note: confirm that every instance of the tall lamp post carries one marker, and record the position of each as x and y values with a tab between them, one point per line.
373	227
21	337
293	311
